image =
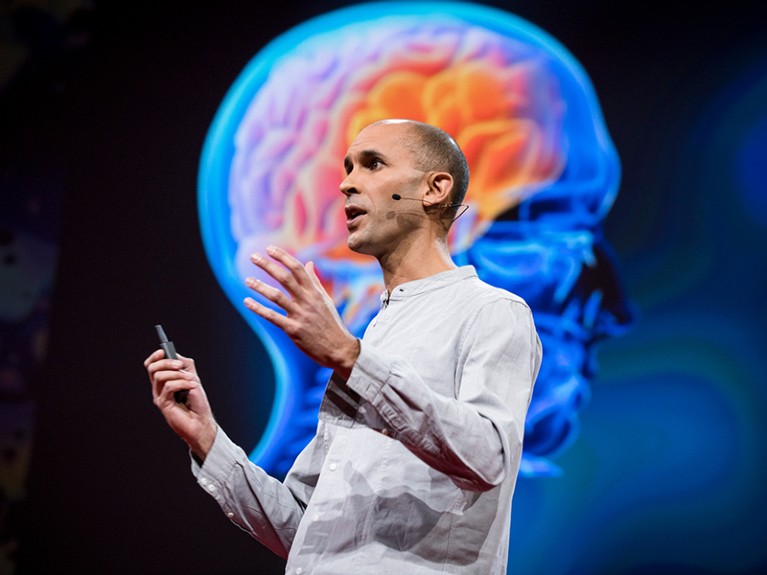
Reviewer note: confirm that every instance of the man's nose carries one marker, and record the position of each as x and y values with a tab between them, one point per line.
347	186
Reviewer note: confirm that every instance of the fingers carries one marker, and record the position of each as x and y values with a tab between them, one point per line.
267	313
291	274
271	293
306	292
167	383
166	374
157	361
156	355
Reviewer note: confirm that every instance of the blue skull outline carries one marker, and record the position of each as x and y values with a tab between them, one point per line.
547	245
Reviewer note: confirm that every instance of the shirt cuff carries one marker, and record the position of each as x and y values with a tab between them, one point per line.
219	461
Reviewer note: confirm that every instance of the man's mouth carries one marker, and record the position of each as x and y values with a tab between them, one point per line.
353	215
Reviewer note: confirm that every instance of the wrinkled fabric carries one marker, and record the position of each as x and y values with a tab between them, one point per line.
414	463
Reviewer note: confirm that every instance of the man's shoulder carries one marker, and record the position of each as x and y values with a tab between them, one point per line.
483	292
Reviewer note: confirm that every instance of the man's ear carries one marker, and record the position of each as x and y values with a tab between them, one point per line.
440	186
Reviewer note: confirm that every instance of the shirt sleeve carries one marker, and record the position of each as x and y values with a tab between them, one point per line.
268	509
475	437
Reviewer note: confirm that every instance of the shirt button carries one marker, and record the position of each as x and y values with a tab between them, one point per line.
332	466
299	571
211	488
203	481
315	518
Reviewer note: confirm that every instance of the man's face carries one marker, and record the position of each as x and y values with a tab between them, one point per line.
380	163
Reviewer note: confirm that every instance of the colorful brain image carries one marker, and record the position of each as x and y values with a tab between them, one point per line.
543	176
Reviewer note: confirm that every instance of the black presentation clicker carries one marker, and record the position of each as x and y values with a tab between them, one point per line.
170	353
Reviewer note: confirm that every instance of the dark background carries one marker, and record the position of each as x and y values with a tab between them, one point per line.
103	120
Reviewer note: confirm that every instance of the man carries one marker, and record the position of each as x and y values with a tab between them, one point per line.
414	463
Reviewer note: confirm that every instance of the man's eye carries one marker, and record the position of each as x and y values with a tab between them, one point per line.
375	163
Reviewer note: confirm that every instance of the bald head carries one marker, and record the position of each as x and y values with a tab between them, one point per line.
434	149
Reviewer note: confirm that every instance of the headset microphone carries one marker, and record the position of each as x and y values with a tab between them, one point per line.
464	206
398	197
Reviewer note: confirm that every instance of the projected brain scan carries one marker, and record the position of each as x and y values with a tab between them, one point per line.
544	174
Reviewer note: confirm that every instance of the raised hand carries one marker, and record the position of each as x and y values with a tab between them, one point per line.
310	319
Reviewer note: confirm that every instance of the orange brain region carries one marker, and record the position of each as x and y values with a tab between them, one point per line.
511	138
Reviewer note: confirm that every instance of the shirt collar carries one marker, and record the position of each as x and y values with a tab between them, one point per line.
423	285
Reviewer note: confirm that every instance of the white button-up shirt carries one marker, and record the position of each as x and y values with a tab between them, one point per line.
414	463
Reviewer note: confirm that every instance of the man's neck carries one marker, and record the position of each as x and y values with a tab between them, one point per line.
414	265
